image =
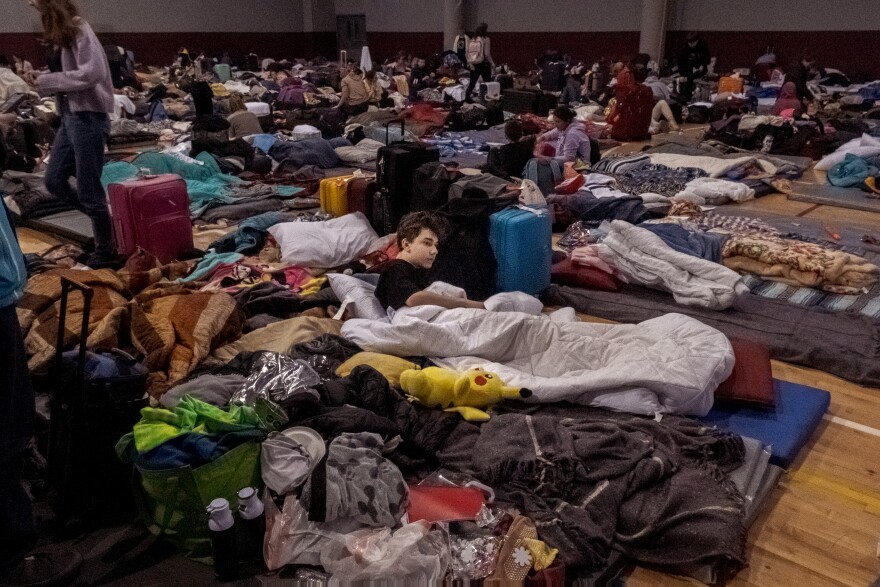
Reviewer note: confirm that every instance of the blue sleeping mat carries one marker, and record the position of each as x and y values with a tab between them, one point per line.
785	428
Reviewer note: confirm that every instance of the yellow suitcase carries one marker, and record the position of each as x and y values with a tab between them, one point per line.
334	195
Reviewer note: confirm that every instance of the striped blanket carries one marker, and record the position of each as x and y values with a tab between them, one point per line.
866	303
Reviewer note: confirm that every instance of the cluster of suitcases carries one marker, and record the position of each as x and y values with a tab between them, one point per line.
347	194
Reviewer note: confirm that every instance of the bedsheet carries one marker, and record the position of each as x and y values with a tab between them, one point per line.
670	364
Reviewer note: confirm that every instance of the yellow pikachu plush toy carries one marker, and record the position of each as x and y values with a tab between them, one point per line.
467	393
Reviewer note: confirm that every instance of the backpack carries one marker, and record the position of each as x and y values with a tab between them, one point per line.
475	50
545	173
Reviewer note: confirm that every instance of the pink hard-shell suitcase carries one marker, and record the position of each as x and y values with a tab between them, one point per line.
153	213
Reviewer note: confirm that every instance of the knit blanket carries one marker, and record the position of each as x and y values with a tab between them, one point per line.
173	325
800	263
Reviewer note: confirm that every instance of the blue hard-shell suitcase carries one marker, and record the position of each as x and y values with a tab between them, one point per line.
521	240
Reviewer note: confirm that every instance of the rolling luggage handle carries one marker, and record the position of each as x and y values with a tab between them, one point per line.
388	130
66	285
75	404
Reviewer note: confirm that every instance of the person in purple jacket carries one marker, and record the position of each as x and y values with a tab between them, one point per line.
84	92
570	137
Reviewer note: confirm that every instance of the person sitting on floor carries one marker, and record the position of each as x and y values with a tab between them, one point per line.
572	90
354	99
421	77
662	112
511	159
242	122
572	141
788	104
406	279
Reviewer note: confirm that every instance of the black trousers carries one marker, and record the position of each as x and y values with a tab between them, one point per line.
17	533
483	70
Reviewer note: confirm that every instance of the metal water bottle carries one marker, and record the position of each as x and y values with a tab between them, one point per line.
222	526
253	524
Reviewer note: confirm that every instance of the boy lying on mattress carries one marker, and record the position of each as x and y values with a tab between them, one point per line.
406	281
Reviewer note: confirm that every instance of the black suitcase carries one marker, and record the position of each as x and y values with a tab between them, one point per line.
519	101
88	417
505	81
553	76
395	166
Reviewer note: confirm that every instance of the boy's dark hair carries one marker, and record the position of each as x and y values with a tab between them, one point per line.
513	130
412	224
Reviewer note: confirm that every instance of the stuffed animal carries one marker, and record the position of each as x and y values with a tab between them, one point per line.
467	393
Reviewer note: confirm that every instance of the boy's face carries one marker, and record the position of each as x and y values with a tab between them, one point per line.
422	251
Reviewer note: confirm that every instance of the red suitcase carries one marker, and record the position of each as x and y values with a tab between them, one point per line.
632	116
153	213
360	195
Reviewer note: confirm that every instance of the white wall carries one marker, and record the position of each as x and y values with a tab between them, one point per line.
775	15
156	16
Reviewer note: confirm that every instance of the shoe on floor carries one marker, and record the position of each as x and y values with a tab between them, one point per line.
44	569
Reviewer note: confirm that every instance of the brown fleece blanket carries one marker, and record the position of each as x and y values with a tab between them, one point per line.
173	325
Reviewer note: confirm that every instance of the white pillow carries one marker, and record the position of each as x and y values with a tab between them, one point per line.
358	295
324	244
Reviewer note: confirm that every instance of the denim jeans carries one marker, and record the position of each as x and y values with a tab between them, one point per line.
79	151
17	534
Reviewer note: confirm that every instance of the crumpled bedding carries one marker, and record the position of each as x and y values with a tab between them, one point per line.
27	196
672	364
864	146
643	258
799	263
714	192
713	166
318	152
206	186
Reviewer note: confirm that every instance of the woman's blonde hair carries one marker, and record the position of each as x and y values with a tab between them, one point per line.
57	18
236	103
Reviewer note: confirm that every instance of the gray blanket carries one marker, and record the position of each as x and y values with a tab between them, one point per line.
591	479
843	344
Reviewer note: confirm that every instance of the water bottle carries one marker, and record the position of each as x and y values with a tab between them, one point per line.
253	524
222	527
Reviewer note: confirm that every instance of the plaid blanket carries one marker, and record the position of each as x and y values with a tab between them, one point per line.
173	325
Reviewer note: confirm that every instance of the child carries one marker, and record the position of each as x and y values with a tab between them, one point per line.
405	281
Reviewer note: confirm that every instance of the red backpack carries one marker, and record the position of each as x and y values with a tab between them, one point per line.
632	115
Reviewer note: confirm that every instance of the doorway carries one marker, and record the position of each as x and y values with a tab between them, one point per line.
351	34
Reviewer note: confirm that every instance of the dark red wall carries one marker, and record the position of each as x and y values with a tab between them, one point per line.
854	52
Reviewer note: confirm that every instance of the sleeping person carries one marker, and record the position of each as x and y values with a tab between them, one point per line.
406	281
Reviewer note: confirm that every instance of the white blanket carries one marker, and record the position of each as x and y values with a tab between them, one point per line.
714	192
643	258
864	146
714	166
671	364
